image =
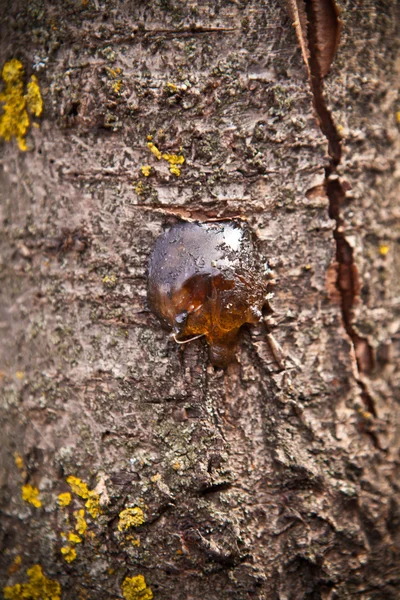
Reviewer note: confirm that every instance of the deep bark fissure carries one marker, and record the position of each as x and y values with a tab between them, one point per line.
347	281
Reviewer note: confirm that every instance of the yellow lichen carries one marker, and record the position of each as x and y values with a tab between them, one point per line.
34	100
398	117
13	592
14	120
116	86
135	588
174	160
64	499
175	170
113	72
37	588
93	504
78	486
31	494
19	375
16	565
139	188
81	524
130	517
384	249
69	553
154	150
146	170
109	281
75	539
19	461
155	478
134	541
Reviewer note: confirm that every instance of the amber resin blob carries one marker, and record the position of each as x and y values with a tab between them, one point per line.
206	279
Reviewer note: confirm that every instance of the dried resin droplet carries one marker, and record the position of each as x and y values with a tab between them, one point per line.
206	279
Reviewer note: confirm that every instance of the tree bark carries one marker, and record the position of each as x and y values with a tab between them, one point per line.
276	478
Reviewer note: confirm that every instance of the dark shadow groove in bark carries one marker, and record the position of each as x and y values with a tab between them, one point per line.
347	281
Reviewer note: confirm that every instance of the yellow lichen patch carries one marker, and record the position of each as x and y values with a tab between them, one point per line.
134	541
14	120
19	375
78	486
154	150
113	72
130	517
135	588
155	478
139	188
81	524
174	161
75	539
31	494
16	565
146	170
384	249
109	281
69	553
175	170
93	504
34	100
116	86
37	588
398	117
19	461
64	499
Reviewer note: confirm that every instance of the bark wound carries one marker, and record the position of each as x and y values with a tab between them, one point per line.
318	28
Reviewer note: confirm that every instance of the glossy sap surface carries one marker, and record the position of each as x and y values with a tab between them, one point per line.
204	279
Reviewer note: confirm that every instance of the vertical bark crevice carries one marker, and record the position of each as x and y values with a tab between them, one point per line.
323	29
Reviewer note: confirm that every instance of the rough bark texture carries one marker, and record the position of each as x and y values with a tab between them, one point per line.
254	482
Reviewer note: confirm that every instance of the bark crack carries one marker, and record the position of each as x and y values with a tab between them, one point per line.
323	23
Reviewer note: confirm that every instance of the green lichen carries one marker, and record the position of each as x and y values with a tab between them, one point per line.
14	120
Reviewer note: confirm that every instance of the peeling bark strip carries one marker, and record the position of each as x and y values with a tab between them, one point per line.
318	19
318	29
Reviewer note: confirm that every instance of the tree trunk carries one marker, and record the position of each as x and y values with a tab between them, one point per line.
132	468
